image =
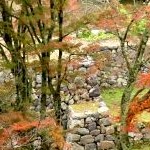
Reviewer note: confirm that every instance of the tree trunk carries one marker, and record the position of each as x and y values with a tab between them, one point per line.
57	106
19	70
44	86
23	87
124	111
133	71
57	98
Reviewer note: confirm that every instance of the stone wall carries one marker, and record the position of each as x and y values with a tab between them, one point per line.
114	74
90	127
79	85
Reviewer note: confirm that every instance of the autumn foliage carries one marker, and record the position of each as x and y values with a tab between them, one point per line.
144	80
19	126
139	104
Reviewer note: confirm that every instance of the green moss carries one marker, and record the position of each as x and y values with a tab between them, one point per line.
112	96
87	106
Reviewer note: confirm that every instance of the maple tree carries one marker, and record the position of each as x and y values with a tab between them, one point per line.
42	36
123	22
140	103
44	26
40	28
12	50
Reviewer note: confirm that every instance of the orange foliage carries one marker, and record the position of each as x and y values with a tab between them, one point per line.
136	107
22	125
26	125
74	63
68	38
15	117
57	136
112	20
92	48
73	5
116	20
143	80
139	104
116	119
92	70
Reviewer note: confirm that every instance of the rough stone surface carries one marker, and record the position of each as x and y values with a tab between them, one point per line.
105	121
75	123
92	81
79	81
91	146
82	131
104	111
103	129
86	139
92	126
76	146
87	62
63	106
72	137
147	136
37	143
85	96
78	89
94	92
38	79
99	138
71	102
139	136
110	130
110	138
95	132
89	119
105	145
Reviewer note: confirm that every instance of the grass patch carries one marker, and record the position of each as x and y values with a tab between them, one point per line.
112	97
87	35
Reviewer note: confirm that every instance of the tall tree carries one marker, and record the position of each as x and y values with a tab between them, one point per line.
47	29
124	23
13	42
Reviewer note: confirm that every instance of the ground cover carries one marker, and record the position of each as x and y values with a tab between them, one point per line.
94	35
112	97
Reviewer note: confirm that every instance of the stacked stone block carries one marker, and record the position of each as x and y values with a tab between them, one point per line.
90	130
